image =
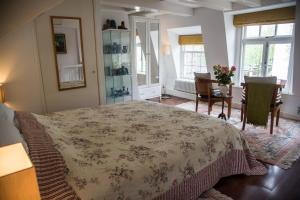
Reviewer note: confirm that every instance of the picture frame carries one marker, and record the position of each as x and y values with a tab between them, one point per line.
60	43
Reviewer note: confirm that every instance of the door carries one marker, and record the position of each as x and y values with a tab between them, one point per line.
141	60
154	52
146	56
270	58
147	40
278	59
253	59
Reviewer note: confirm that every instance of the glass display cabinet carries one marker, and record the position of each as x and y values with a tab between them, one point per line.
117	65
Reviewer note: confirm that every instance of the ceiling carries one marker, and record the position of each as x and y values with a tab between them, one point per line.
225	4
183	7
190	30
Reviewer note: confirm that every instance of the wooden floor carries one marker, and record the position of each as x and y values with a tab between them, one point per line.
170	101
277	184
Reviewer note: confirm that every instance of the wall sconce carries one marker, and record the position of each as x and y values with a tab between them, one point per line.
166	49
2	96
17	175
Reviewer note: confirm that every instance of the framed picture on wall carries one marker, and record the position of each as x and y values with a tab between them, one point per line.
60	43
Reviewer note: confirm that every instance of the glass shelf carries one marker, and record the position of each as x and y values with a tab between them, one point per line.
117	65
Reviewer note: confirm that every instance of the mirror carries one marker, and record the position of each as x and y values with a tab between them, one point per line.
68	51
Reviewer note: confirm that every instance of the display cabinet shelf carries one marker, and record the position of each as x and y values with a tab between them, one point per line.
117	65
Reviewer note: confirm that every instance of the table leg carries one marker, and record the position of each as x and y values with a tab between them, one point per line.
222	114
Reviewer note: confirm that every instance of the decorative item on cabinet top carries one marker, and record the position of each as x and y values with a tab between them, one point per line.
111	24
117	65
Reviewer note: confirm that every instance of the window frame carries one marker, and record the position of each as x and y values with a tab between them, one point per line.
242	40
182	66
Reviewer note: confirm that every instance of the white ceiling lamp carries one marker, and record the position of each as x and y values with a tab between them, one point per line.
137	8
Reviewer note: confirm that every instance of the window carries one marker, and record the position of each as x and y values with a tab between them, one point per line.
267	51
192	60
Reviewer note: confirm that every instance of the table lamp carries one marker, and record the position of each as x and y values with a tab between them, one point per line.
17	174
2	97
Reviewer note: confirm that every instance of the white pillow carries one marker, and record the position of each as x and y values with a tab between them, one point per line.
9	134
6	113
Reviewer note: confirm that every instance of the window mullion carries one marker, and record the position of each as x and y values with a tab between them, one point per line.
265	58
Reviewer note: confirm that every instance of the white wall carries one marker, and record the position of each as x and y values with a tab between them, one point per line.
60	100
171	63
213	30
16	13
296	77
20	70
292	102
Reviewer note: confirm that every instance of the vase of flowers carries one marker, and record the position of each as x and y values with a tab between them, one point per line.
223	75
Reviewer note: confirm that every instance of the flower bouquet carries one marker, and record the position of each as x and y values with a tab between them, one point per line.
223	75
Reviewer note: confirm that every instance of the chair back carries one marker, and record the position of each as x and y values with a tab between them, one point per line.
258	99
202	83
258	79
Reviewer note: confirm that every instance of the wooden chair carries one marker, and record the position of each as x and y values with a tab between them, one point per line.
255	79
205	93
274	107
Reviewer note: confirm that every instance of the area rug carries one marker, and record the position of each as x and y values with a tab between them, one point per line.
213	194
281	149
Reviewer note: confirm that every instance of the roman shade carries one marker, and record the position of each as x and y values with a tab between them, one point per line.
190	39
280	15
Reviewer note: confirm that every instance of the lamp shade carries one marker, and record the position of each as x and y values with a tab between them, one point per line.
166	50
2	97
17	174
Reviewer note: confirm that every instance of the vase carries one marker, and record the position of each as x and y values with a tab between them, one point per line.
223	89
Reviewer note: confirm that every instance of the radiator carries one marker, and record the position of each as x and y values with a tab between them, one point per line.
185	86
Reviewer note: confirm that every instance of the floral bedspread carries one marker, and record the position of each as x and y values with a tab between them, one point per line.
139	150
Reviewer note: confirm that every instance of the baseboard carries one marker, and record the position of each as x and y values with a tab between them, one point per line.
235	105
190	96
282	114
289	116
181	94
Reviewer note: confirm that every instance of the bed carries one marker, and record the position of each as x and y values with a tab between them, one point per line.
135	150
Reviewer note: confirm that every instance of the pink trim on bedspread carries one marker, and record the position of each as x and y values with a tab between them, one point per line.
49	164
51	168
235	162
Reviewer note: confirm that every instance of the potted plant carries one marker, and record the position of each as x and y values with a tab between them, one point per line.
223	75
